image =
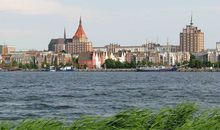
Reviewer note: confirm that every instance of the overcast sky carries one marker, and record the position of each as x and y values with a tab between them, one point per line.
30	24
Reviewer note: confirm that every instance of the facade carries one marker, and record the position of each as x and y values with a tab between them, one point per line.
1	48
167	48
112	47
79	43
6	49
218	46
172	58
191	39
92	60
57	45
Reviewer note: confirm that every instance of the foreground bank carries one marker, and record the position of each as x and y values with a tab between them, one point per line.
182	117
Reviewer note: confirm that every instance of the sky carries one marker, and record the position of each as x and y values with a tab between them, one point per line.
31	24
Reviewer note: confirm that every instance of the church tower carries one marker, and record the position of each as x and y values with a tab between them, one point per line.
80	42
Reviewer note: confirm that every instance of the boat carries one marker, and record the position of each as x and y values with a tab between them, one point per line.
67	68
52	69
156	69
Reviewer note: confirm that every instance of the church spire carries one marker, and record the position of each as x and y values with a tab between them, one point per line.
80	21
64	33
80	31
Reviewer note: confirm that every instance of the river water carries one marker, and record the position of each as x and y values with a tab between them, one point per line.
70	95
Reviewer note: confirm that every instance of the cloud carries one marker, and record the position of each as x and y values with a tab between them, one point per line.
39	7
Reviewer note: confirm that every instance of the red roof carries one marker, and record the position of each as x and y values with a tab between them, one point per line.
80	33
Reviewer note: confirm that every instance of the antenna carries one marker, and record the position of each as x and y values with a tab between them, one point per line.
191	20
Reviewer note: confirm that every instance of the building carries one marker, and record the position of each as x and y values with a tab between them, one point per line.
6	49
79	43
172	58
57	45
92	60
218	46
191	39
169	48
1	48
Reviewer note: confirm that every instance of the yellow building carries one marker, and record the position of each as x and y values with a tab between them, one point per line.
8	49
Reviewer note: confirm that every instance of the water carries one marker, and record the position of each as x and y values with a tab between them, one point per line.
70	95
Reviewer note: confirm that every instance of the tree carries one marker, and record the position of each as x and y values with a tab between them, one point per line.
110	64
85	66
61	64
14	63
20	65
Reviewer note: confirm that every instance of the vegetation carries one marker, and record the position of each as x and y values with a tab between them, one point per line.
196	63
185	116
112	64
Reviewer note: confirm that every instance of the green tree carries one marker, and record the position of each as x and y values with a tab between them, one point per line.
20	65
85	66
110	64
14	63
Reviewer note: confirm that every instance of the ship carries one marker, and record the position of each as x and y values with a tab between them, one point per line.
156	69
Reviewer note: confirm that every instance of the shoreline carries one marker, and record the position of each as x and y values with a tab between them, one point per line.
119	70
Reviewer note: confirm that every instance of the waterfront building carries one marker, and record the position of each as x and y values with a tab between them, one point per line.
172	58
7	49
130	48
100	49
140	56
218	46
150	46
129	57
79	43
1	49
191	39
147	47
111	47
154	57
92	60
167	48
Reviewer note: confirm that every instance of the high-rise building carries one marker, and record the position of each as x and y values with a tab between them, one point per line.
79	43
191	39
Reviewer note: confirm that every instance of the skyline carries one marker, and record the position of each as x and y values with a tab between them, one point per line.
30	24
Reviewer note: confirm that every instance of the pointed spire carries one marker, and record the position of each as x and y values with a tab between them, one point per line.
191	21
80	31
80	21
64	33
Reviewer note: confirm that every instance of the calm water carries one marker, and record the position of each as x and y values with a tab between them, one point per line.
71	95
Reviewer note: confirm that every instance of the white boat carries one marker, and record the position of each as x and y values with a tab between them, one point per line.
52	69
67	68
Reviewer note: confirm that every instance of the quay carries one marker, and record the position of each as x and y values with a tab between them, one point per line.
106	70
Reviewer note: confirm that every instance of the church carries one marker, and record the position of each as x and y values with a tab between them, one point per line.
79	43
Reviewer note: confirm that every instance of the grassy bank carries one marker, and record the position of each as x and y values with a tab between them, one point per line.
182	117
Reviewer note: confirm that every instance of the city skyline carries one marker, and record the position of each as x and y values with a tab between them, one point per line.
29	24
